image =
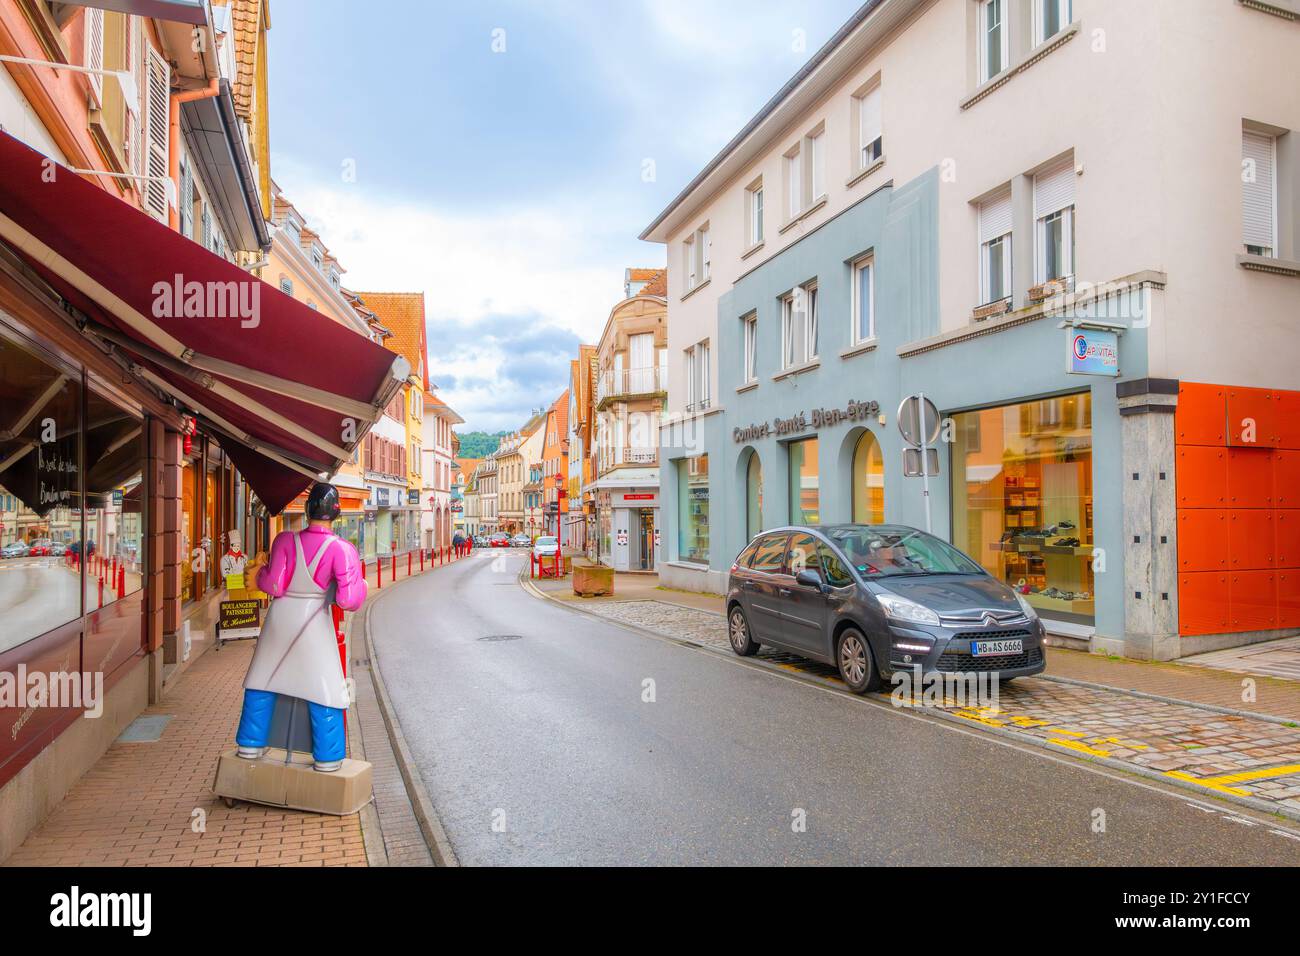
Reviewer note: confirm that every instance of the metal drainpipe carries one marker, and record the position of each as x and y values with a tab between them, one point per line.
174	138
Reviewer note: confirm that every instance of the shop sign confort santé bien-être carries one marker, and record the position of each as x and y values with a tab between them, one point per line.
816	419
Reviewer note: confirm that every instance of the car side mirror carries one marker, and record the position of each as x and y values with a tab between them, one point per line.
809	579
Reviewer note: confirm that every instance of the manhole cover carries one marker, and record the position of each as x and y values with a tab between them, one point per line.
502	637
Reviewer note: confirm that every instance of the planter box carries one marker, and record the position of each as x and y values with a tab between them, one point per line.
593	580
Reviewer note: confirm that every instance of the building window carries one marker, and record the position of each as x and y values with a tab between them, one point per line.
1050	16
1054	222
799	326
693	509
1259	193
690	379
805	497
868	481
749	326
286	285
754	214
995	247
1022	500
993	38
816	165
703	390
864	299
870	138
696	255
316	259
793	184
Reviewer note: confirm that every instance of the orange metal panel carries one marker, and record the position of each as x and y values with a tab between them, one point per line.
1253	418
1252	601
1203	603
1202	539
1288	599
1251	540
1286	528
1201	415
1286	478
1202	477
1288	419
1250	477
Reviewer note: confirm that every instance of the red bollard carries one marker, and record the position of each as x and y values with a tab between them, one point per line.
101	592
379	573
408	564
121	579
394	563
422	559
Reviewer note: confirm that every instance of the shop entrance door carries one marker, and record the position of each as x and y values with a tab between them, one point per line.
646	539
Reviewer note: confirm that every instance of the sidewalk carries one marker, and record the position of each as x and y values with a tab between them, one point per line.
1251	756
148	801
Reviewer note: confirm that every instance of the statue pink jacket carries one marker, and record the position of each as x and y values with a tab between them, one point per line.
341	565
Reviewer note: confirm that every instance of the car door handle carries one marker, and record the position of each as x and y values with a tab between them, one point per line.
784	592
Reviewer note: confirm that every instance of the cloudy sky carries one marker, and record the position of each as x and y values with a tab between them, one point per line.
491	155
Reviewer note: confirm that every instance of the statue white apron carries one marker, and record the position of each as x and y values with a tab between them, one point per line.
297	653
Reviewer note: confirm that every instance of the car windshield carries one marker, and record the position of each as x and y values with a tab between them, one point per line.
887	552
545	540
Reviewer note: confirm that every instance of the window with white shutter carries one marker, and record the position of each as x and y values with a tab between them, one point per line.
1054	222
870	140
157	118
94	53
995	247
1259	193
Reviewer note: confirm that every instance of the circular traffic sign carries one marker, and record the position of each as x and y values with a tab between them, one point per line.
917	417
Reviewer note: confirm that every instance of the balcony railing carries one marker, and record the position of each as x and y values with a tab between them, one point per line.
617	457
628	382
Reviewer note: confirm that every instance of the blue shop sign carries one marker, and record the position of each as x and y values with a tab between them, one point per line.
1093	352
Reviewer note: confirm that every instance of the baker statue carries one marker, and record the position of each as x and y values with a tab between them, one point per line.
297	654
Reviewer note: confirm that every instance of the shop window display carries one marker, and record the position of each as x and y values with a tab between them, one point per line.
693	509
753	495
115	499
1022	500
40	508
805	482
868	481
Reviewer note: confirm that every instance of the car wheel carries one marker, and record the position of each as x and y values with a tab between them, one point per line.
738	634
856	666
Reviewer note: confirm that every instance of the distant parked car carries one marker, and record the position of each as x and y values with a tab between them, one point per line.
40	548
58	549
520	541
547	546
499	540
15	549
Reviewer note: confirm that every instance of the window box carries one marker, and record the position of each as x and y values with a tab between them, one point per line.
999	307
1045	290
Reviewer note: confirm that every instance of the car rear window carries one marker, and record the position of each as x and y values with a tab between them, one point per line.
770	554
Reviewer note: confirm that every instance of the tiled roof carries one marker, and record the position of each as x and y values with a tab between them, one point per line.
641	275
245	19
403	313
656	285
561	410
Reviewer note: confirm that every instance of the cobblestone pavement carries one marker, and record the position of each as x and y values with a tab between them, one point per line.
1228	754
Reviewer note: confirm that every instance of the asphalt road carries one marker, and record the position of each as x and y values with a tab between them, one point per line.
531	730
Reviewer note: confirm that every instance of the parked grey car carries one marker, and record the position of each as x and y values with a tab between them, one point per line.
14	549
875	599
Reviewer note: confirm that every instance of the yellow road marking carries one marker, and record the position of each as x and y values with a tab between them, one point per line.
1220	783
1075	745
1063	733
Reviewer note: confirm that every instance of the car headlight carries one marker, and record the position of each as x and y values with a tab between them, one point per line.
1026	606
909	612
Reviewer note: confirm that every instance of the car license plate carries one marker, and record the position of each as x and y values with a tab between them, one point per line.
996	648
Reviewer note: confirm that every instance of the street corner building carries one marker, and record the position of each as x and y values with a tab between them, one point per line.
141	438
1090	264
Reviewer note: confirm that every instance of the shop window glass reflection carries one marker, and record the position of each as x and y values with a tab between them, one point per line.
805	489
693	509
868	481
115	499
1022	500
40	476
754	495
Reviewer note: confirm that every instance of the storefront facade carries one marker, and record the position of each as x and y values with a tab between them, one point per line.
627	519
1030	455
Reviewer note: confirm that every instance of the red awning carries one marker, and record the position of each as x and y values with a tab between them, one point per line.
290	391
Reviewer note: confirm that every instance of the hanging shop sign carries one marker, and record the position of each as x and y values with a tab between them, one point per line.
1092	352
814	419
